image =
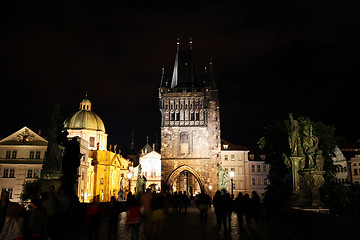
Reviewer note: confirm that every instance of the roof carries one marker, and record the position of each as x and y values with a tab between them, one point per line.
225	145
84	118
24	136
184	74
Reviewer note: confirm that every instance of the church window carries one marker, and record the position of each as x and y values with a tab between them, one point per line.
37	155
92	142
186	106
172	117
31	155
177	116
181	106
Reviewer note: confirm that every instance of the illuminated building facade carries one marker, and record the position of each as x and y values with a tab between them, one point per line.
21	158
190	127
100	171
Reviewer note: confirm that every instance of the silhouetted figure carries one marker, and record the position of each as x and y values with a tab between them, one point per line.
14	223
49	205
37	223
228	208
255	206
146	200
133	218
185	201
219	208
4	204
93	217
158	214
113	211
176	202
203	203
239	210
247	208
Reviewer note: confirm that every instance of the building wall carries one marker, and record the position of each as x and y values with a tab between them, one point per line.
24	166
189	140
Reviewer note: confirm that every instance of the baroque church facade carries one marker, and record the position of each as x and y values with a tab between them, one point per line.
190	127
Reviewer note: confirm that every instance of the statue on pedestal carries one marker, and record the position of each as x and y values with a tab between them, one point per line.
306	164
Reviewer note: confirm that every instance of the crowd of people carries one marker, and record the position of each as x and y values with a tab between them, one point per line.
37	221
50	214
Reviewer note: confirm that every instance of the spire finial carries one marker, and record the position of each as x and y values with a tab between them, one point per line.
191	43
147	139
85	94
178	43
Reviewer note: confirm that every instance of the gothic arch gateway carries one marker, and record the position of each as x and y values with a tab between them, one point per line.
181	169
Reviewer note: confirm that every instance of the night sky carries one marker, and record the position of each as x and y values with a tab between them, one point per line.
269	58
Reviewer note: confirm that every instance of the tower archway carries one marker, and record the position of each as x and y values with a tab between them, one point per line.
186	170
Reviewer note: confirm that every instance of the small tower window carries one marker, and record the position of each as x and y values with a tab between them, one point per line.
91	142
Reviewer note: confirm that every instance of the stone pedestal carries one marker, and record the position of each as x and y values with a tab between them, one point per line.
310	180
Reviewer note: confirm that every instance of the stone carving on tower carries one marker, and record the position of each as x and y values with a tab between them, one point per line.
190	124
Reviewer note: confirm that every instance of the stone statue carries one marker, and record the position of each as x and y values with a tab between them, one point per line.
53	158
294	138
310	145
223	182
305	163
140	182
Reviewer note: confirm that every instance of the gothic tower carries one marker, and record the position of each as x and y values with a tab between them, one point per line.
190	124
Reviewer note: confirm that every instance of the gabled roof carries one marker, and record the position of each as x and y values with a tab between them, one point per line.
225	145
24	136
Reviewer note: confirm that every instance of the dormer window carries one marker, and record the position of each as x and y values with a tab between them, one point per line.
226	146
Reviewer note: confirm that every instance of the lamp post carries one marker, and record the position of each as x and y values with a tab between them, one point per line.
231	174
129	176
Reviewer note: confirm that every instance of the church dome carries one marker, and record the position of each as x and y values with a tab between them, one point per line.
84	118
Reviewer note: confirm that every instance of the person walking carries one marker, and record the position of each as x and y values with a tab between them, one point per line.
228	209
133	218
158	214
93	217
145	201
3	207
219	208
203	203
13	227
37	221
239	210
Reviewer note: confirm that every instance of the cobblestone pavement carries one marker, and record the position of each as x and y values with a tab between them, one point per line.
188	227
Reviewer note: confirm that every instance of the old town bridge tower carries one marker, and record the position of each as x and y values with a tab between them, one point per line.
190	127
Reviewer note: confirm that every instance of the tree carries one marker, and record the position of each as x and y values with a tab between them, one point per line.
30	190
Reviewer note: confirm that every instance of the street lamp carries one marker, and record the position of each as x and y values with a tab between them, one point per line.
231	174
129	176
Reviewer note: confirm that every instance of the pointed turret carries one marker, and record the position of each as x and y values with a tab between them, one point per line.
184	70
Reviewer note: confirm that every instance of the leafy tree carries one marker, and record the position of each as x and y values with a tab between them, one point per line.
30	190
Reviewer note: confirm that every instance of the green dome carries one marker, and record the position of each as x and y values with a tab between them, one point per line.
84	119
